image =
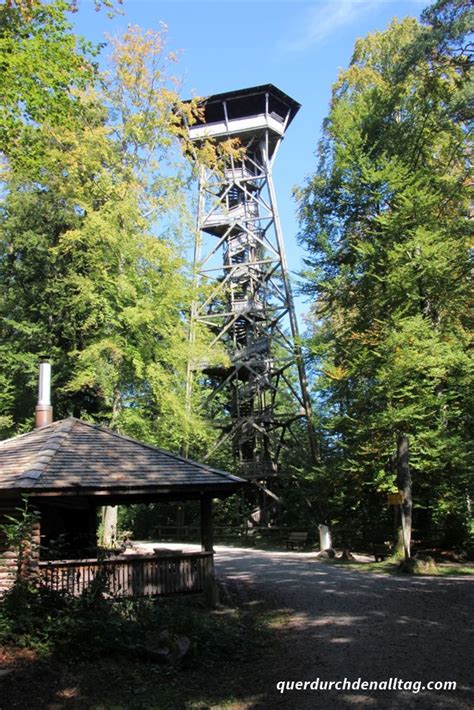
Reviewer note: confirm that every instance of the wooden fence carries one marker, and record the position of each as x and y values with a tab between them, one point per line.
133	576
192	533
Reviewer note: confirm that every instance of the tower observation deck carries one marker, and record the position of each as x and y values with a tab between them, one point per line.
260	397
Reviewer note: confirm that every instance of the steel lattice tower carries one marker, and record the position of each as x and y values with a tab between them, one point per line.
261	394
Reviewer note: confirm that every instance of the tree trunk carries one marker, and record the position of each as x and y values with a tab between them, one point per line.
404	484
109	525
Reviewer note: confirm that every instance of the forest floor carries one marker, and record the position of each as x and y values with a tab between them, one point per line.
285	616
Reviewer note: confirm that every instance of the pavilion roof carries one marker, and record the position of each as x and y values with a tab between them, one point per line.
71	456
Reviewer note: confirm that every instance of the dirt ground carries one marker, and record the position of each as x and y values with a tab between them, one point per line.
340	623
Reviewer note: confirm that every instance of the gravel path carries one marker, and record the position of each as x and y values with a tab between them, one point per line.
339	623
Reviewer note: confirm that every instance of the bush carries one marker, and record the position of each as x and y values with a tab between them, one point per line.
50	621
95	626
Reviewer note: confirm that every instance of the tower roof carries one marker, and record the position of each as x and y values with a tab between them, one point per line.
249	102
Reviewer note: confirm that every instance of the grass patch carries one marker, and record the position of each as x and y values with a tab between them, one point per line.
391	566
447	570
388	566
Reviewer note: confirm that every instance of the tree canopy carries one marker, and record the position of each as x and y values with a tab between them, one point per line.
92	269
385	223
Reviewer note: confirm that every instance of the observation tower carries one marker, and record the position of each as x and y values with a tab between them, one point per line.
259	398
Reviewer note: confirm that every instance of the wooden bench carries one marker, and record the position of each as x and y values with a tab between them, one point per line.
296	539
381	551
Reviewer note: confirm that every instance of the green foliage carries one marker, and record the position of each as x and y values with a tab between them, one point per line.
384	220
92	626
146	521
44	69
92	273
17	532
85	626
19	528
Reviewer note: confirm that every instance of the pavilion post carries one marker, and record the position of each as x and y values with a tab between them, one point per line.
207	545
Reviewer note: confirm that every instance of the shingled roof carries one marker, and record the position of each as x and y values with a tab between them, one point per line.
72	456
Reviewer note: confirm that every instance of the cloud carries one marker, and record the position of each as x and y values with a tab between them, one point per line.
324	19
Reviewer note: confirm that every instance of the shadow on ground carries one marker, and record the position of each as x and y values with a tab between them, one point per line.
342	623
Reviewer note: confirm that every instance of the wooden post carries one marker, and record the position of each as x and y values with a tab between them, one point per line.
395	524
207	537
207	545
180	531
404	486
91	530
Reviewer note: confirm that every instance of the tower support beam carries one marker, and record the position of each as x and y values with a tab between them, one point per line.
259	397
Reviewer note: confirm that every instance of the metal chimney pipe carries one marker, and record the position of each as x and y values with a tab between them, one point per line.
44	410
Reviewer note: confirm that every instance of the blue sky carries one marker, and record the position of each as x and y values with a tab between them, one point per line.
297	45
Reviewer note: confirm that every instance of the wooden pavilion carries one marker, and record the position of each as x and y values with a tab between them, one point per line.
69	469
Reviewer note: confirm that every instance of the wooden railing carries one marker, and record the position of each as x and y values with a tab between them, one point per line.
192	533
132	576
